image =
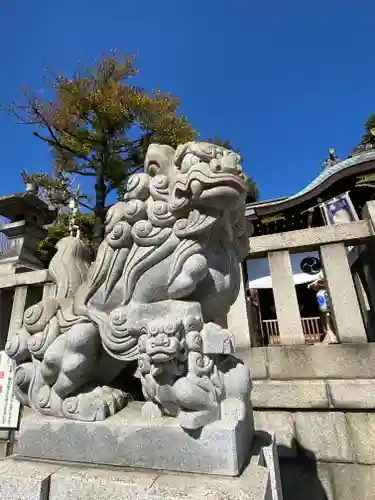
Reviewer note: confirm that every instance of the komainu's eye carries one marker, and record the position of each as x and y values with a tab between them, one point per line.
188	161
215	166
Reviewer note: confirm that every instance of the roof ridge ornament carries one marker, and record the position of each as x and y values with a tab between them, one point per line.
331	160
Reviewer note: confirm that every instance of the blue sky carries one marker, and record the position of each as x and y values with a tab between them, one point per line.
284	81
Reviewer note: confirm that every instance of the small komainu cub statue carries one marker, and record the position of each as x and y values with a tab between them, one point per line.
153	304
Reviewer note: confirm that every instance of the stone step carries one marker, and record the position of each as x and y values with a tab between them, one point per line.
26	480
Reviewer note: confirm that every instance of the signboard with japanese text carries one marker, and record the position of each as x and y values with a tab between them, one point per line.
9	406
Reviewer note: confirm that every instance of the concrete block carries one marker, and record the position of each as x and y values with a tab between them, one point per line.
306	480
289	394
3	449
254	484
24	481
4	435
351	394
87	484
219	448
80	484
323	436
354	481
362	433
340	361
281	425
255	358
37	481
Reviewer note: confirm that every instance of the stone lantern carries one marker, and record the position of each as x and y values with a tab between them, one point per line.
27	215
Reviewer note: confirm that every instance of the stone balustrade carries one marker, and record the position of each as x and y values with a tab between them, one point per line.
351	301
17	293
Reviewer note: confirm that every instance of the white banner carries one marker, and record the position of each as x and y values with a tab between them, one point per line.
305	268
9	406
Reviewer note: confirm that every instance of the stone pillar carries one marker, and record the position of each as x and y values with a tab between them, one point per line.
18	309
369	212
366	265
285	296
6	300
344	304
237	319
49	291
366	273
364	298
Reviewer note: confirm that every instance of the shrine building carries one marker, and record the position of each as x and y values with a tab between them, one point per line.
336	196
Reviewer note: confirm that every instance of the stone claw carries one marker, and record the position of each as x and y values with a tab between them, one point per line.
94	405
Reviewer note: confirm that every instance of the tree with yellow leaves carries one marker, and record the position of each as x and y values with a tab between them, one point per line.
98	126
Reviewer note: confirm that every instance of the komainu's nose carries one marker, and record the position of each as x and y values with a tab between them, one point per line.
160	340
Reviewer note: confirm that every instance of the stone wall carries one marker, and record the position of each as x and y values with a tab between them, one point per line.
319	401
309	480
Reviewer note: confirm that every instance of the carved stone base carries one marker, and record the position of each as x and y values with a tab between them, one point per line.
40	481
128	440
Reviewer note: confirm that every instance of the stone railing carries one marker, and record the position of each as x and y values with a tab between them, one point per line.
351	289
17	293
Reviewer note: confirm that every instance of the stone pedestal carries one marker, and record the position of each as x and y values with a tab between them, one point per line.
127	458
26	480
130	441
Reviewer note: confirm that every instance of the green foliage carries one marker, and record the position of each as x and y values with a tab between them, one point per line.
368	136
47	247
98	126
253	190
369	125
224	143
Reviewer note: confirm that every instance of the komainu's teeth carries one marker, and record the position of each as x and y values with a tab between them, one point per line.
196	188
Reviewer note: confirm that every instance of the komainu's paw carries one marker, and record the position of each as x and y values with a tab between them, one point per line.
95	404
150	411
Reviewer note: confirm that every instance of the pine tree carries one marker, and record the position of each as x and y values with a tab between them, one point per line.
98	126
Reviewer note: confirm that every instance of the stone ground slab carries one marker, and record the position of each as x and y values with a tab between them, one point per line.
259	481
128	440
25	481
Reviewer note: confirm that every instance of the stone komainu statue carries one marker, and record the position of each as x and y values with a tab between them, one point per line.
153	303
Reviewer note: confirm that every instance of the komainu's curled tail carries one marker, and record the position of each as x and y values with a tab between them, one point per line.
69	266
42	323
